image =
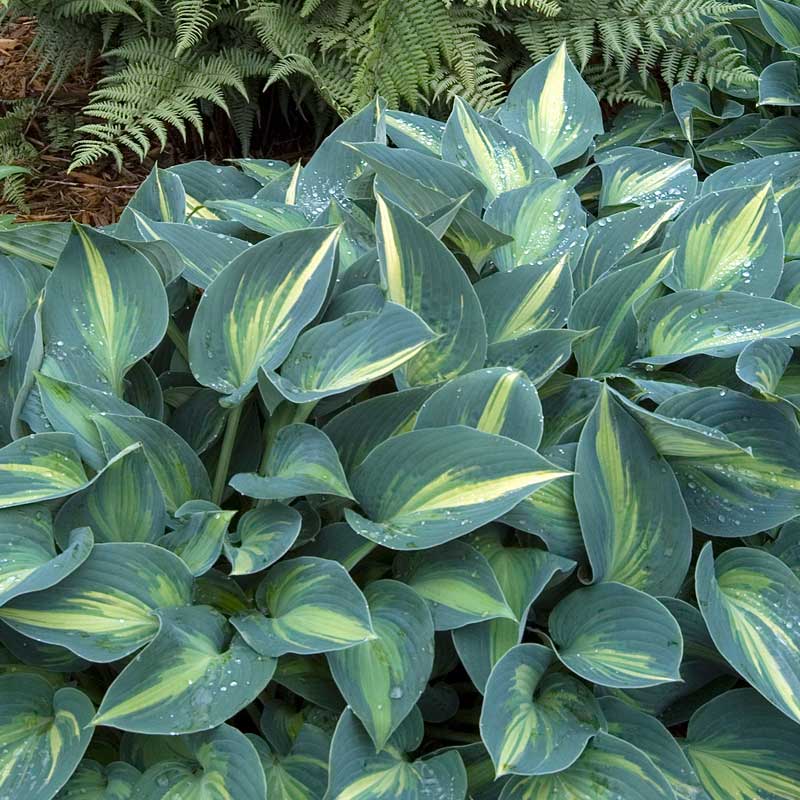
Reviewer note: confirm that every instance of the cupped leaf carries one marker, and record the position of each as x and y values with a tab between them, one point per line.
30	563
494	400
263	535
457	582
104	309
383	678
530	297
197	534
122	504
310	605
39	467
21	282
415	131
691	103
729	240
750	601
762	364
104	609
212	765
178	470
415	268
617	636
502	159
302	460
741	748
637	176
545	219
609	769
263	216
720	324
94	781
535	722
249	317
193	676
523	573
552	106
358	772
634	522
462	479
655	741
350	351
45	732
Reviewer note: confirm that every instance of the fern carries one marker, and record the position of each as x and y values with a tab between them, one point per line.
167	62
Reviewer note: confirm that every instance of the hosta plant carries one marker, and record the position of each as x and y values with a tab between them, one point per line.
462	461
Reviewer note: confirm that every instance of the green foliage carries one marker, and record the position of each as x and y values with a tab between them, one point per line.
467	468
169	63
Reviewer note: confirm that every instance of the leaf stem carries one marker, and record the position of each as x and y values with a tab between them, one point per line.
178	339
220	476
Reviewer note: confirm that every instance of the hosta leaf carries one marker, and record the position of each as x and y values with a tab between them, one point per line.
615	239
95	781
263	535
310	605
762	364
204	254
212	765
302	461
21	283
103	610
197	534
39	467
566	403
782	170
359	429
613	635
741	748
634	522
69	407
457	582
656	742
45	732
636	176
161	196
179	472
691	103
462	479
530	297
355	349
782	21
301	774
122	504
738	494
550	512
41	243
546	220
538	354
262	216
30	562
718	324
609	768
416	267
502	159
729	240
482	784
607	309
778	84
358	772
415	132
750	601
533	721
193	676
523	573
552	105
104	308
250	317
494	400
382	679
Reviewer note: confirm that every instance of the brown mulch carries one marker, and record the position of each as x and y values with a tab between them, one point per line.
94	195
